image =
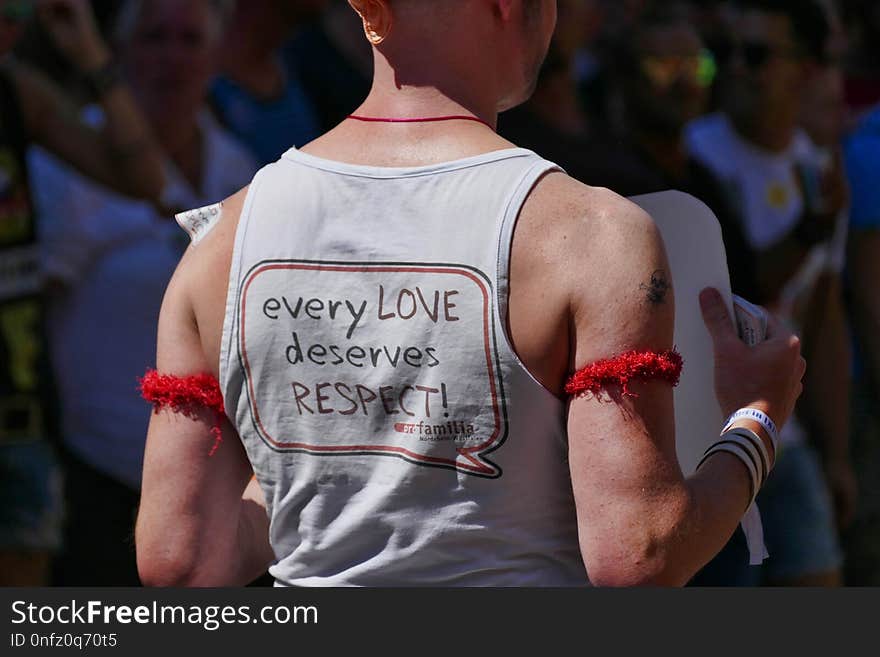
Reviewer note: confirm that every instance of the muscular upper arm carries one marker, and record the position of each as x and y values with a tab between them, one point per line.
624	470
188	497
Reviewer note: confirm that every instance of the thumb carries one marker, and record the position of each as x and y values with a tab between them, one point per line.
716	317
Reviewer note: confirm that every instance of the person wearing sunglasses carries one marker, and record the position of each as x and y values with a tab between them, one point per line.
664	74
33	111
757	151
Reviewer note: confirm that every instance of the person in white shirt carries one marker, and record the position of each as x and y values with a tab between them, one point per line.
769	167
109	258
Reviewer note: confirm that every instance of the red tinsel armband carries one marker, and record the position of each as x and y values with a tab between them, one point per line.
619	372
186	395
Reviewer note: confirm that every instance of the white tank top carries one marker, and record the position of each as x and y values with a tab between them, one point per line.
365	363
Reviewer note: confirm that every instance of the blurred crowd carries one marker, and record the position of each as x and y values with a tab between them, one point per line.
116	114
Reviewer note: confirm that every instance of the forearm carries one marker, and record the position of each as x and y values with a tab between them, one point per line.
122	156
246	534
128	141
666	533
254	550
712	505
184	551
201	521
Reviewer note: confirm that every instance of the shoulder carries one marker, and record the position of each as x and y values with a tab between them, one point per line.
195	299
704	129
604	252
708	125
205	259
575	249
578	219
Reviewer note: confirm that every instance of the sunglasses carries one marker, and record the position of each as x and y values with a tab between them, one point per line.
665	70
17	11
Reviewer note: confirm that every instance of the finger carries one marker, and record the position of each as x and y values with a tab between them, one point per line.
716	317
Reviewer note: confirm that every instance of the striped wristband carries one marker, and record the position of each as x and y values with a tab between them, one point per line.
748	447
756	416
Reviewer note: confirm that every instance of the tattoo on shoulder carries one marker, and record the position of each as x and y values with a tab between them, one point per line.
657	289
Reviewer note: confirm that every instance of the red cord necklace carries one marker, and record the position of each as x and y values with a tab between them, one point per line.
425	119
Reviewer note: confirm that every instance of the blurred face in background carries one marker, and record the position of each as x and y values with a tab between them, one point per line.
13	14
674	74
170	56
767	68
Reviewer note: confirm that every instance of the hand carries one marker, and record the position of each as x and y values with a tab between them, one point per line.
843	486
766	376
72	27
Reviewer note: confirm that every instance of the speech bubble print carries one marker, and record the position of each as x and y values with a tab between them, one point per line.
389	360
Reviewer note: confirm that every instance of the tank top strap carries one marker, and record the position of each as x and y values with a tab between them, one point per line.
521	192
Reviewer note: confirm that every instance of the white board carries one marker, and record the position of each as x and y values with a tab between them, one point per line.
692	236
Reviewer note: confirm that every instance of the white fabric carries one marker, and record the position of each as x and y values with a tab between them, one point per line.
113	257
753	528
448	466
765	183
697	259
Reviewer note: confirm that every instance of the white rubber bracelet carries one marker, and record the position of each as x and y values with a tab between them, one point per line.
758	416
